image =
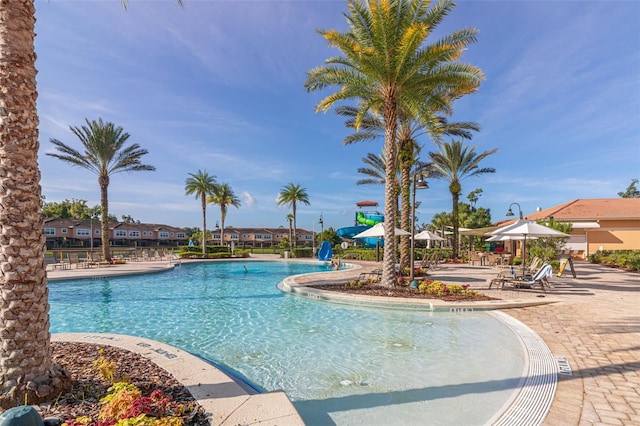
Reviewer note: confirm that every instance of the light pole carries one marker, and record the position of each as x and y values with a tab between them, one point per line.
510	212
513	243
217	229
321	222
417	184
91	239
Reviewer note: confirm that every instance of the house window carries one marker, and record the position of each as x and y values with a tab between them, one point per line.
120	233
49	231
307	237
82	232
181	235
63	230
96	231
267	237
234	236
134	233
171	234
163	234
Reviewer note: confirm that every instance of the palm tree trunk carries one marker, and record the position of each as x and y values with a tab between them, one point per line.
405	216
24	306
104	213
295	226
390	196
204	224
455	197
223	216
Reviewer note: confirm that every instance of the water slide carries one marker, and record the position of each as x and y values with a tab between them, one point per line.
326	252
369	219
349	231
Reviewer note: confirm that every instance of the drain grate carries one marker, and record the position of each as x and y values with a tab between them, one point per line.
531	405
564	368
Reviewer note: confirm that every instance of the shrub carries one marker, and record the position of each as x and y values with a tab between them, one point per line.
124	404
439	289
628	259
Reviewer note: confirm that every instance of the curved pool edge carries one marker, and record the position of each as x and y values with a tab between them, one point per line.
225	400
531	402
292	286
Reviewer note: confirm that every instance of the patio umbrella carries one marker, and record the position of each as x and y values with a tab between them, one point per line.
428	235
527	229
377	231
508	238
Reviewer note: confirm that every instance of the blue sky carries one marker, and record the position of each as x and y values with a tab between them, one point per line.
218	86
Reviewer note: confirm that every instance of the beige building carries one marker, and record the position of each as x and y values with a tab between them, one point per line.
598	224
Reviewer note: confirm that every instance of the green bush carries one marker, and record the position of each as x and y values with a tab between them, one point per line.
627	259
302	252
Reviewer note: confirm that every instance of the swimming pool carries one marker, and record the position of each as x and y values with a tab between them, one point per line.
339	364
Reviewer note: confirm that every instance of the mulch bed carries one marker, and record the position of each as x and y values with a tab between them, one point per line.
89	387
398	291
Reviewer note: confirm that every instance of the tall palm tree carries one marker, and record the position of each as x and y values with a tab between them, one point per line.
408	132
105	154
202	185
293	194
23	291
223	196
386	67
453	163
24	304
23	286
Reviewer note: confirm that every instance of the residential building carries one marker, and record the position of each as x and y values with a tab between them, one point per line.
62	233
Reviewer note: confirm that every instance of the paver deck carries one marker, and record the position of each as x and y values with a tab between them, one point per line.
593	324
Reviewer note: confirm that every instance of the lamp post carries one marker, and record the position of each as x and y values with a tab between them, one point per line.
91	238
217	229
510	212
321	222
513	243
418	183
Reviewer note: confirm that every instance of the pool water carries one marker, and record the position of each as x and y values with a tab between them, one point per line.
339	364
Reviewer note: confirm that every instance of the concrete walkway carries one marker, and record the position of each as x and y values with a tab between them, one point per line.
592	322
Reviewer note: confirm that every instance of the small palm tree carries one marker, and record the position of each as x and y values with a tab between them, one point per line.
293	194
223	196
453	163
104	154
201	185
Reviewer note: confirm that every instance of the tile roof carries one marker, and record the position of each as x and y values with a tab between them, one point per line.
592	209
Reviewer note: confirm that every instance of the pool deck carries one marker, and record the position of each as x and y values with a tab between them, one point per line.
592	322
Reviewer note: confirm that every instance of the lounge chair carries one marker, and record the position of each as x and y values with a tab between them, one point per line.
52	263
74	259
541	277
